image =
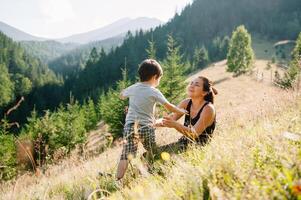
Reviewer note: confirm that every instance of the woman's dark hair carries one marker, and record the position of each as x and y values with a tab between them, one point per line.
207	87
149	68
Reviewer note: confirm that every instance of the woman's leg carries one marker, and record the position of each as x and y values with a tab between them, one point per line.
176	147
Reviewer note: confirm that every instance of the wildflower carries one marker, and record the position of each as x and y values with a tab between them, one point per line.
296	189
165	156
130	157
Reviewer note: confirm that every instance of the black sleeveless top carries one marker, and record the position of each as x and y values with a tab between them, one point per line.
192	121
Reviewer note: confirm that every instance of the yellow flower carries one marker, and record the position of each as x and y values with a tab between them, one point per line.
130	157
296	189
165	156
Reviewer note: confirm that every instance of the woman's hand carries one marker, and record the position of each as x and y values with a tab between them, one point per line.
169	122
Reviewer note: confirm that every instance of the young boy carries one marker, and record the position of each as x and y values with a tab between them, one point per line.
143	97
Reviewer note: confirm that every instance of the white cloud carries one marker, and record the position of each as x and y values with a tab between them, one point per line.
56	10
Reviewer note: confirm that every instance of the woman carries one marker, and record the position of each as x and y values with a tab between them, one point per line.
200	121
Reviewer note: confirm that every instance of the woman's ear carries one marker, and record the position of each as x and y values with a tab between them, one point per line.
205	93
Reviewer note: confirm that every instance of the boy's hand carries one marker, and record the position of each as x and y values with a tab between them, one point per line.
121	95
159	123
126	109
182	111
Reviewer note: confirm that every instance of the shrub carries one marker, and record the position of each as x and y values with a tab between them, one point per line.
63	129
112	108
290	77
7	157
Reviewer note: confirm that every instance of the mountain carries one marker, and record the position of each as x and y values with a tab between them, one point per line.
47	50
74	61
107	37
204	23
20	72
120	27
17	34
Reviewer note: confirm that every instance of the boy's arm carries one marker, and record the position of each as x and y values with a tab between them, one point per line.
168	106
121	95
174	116
172	108
125	93
183	105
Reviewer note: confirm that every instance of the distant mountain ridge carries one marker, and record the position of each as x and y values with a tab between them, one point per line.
17	34
117	28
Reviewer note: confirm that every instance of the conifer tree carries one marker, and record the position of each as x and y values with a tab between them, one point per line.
200	57
151	51
112	108
240	55
6	86
292	74
173	80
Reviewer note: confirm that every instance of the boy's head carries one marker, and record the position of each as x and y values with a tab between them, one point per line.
150	69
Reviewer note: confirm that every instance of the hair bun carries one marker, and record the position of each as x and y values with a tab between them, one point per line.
215	92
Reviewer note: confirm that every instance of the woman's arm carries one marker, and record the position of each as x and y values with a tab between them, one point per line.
206	119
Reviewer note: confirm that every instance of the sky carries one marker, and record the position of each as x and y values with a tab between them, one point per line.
61	18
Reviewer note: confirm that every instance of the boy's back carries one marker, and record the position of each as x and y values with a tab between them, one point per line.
142	101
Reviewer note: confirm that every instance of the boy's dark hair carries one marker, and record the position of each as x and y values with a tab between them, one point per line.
149	68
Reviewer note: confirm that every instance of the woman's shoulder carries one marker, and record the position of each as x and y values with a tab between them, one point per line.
184	103
209	108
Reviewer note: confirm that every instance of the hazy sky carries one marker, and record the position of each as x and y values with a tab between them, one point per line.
59	18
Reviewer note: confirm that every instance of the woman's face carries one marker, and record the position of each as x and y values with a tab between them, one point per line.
195	88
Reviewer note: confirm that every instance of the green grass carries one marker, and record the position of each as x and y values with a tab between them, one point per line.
245	160
249	161
265	50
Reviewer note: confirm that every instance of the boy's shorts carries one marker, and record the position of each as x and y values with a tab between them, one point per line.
144	134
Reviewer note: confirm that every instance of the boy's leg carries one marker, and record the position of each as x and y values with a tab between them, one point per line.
130	147
122	167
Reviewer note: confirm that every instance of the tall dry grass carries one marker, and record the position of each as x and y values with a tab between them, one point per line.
253	161
247	158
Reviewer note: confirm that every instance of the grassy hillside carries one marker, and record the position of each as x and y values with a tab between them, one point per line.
265	49
244	161
248	158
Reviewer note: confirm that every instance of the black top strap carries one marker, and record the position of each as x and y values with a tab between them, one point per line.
189	106
189	121
200	111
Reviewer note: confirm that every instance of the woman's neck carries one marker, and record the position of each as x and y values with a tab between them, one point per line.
196	102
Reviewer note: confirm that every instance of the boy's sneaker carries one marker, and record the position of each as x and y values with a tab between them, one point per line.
119	183
104	174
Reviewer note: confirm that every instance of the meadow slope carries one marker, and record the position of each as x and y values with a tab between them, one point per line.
244	160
